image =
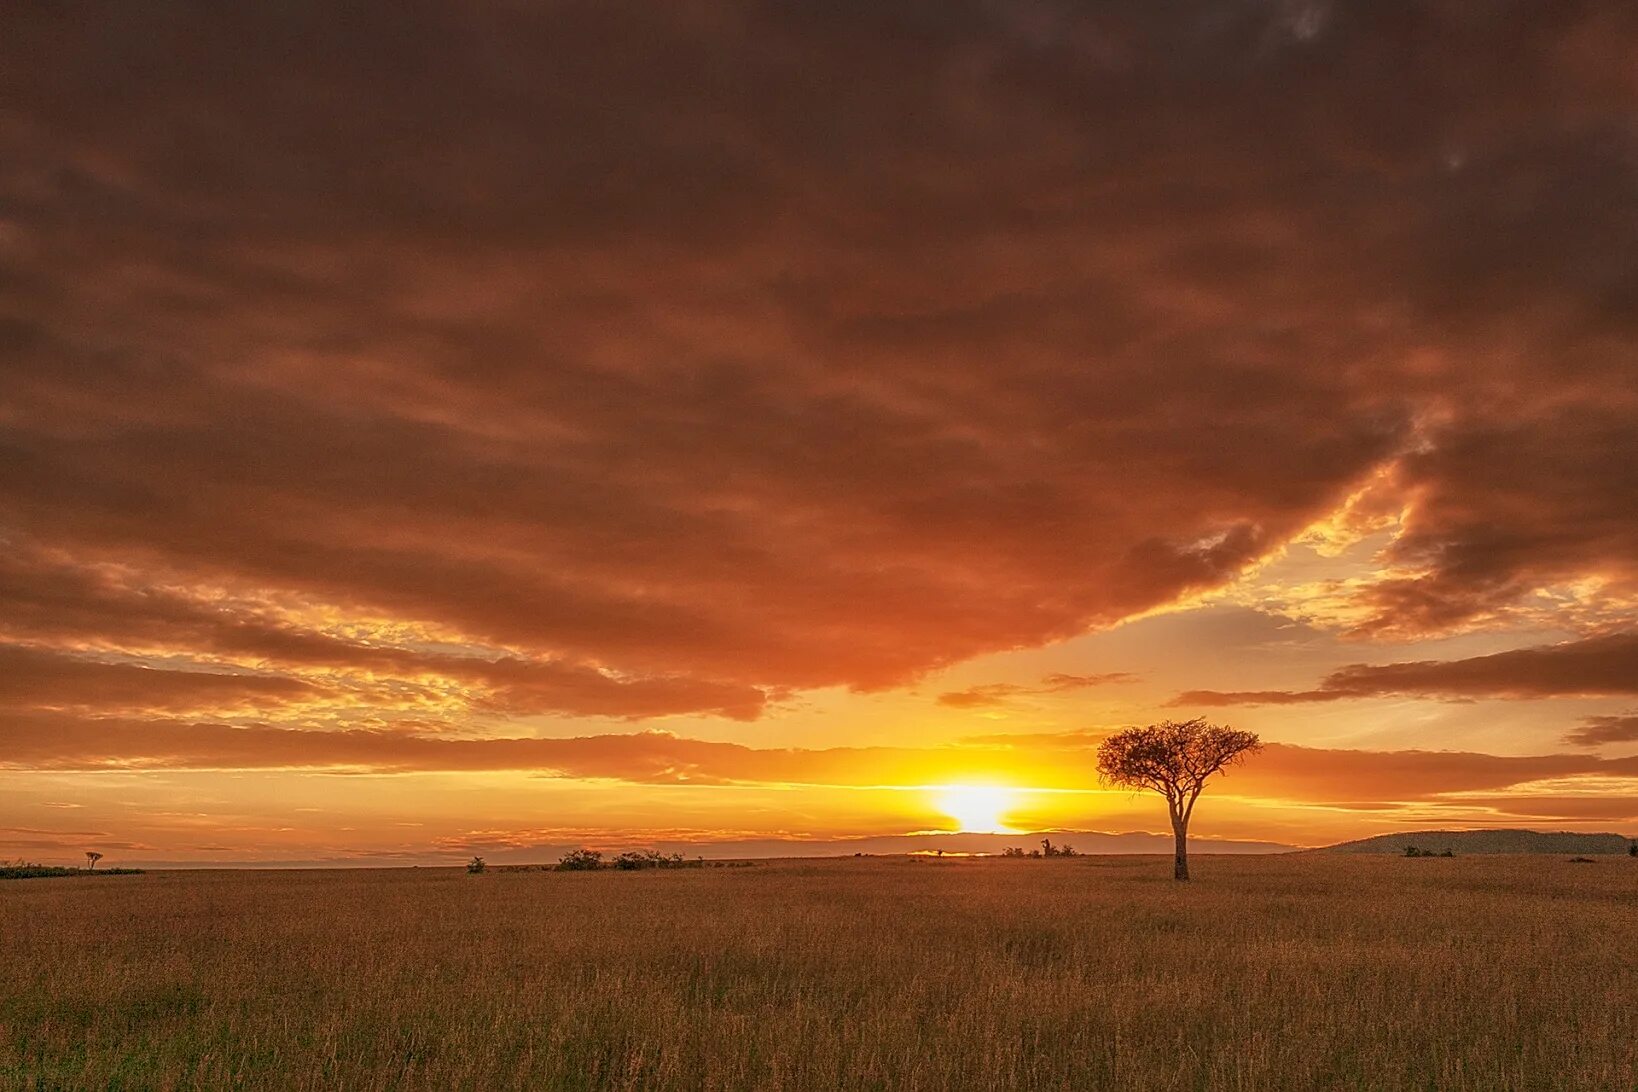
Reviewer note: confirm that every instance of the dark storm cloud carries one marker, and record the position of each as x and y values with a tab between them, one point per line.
1593	667
763	346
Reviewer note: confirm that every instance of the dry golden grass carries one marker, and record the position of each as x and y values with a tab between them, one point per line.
1303	972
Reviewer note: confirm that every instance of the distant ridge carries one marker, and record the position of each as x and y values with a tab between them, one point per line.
1487	841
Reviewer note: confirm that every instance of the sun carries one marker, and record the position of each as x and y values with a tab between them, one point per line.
977	808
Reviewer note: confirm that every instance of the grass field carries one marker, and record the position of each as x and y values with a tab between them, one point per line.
1299	972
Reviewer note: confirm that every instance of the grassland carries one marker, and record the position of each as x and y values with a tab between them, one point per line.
1299	972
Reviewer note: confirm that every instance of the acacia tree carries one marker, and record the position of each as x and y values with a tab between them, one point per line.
91	858
1174	758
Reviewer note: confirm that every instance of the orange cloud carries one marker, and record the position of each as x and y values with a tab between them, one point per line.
995	694
1591	667
1286	774
33	678
1597	731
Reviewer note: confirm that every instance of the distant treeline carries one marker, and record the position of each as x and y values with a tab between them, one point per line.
591	860
29	870
1491	841
1047	850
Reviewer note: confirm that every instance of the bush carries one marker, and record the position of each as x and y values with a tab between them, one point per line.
475	866
649	858
580	860
1013	851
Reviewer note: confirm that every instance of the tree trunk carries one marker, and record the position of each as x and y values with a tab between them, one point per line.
1180	866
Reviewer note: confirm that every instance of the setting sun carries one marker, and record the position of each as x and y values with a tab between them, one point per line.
978	809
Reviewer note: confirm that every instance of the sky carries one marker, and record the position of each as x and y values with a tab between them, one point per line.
440	429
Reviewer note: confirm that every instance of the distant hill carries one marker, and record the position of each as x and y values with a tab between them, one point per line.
1487	841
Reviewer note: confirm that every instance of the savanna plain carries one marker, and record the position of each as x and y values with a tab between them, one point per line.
1303	971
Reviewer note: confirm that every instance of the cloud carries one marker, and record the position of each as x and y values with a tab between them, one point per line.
1600	666
385	680
1058	682
1597	731
1282	773
912	335
998	694
34	679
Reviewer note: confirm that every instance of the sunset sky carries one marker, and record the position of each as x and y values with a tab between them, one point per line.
440	429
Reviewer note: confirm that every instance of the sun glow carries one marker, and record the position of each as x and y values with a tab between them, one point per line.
977	808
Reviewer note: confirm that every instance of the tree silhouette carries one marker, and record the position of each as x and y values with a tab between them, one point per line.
1175	759
91	858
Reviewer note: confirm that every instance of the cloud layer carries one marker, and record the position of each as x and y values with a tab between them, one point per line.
1571	786
1601	666
612	360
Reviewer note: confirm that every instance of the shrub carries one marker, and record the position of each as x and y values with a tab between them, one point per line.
650	858
475	866
580	860
1013	851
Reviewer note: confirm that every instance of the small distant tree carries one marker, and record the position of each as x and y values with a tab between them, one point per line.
1175	759
1632	850
476	865
1046	848
91	859
1013	851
